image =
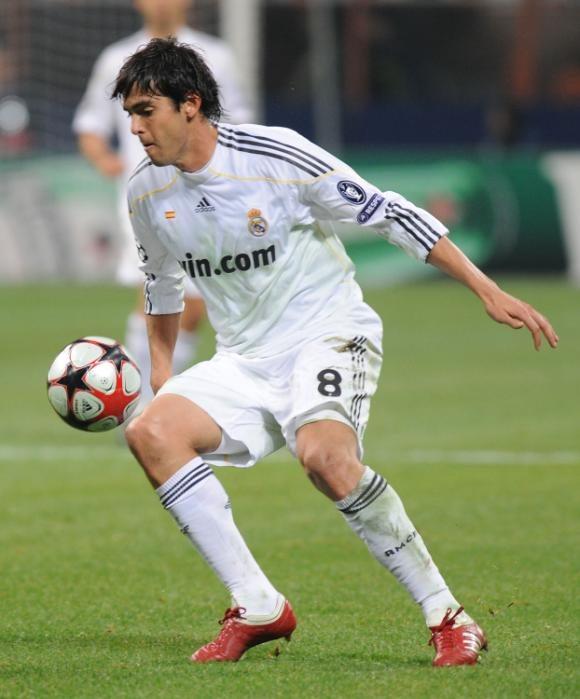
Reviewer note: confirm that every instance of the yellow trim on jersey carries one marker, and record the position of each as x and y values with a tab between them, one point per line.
228	176
141	197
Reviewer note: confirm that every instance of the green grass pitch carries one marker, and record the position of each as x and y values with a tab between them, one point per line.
101	597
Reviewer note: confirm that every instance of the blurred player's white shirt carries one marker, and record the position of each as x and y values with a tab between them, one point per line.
253	229
98	114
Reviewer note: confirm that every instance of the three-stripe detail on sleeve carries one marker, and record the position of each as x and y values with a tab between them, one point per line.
415	225
185	483
271	148
376	487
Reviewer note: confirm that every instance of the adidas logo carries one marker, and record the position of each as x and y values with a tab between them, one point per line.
204	206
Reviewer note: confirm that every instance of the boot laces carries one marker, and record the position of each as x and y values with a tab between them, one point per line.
228	628
232	613
442	635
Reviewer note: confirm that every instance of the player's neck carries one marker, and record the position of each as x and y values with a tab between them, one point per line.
200	147
162	31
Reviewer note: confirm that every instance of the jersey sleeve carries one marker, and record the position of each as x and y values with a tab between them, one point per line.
237	107
95	112
342	195
163	274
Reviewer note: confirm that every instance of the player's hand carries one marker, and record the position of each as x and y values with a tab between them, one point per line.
110	165
509	310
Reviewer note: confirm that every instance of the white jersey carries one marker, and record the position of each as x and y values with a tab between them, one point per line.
253	228
98	114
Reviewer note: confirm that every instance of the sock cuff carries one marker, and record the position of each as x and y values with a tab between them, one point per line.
183	481
368	489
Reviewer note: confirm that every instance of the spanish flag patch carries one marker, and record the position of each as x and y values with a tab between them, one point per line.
169	214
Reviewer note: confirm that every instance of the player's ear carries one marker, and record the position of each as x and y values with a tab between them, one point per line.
192	105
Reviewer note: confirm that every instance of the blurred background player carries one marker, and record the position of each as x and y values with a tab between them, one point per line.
101	126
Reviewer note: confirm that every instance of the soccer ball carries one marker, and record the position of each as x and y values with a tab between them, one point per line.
93	384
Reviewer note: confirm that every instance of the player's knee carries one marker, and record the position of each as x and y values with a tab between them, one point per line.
146	435
134	433
319	459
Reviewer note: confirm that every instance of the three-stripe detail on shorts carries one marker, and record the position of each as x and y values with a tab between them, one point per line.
271	148
357	352
376	487
148	305
186	482
415	225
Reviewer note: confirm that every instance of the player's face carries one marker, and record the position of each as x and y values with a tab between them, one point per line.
162	12
163	130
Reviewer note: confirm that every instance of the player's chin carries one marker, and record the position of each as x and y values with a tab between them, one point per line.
156	156
157	161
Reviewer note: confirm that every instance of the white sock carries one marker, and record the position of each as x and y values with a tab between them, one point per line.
137	343
376	514
201	508
184	352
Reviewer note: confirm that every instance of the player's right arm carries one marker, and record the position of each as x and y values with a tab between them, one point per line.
99	153
163	290
162	332
94	120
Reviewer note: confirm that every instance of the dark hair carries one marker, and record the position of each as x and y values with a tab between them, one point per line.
170	69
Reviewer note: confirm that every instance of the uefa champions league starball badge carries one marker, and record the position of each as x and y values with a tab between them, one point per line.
257	224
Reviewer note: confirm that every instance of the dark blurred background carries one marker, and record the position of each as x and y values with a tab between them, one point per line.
409	73
472	107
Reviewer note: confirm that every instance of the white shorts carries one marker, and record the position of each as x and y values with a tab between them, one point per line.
128	272
260	403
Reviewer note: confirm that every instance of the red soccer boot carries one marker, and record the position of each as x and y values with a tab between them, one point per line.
456	645
238	635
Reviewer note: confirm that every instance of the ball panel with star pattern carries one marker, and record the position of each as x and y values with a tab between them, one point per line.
58	367
93	384
84	353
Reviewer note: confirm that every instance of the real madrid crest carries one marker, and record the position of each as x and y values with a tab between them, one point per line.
257	224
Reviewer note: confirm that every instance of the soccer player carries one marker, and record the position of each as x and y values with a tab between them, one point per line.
299	351
98	120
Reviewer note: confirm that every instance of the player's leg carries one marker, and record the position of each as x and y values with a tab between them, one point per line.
332	386
328	451
169	440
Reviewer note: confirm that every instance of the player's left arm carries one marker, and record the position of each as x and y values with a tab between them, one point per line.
342	195
499	305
